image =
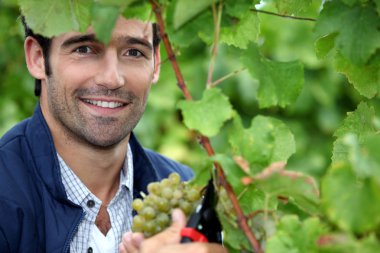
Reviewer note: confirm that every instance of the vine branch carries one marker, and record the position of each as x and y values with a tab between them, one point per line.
283	16
204	141
217	19
223	78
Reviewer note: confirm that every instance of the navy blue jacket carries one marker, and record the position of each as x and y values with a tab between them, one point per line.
35	214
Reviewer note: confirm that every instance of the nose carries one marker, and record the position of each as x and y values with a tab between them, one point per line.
110	74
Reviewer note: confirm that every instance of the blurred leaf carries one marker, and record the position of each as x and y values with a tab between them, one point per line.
207	115
141	11
301	189
280	82
365	78
324	45
364	157
104	19
361	123
185	10
51	18
267	140
233	172
234	238
377	2
294	236
363	21
342	243
351	203
241	31
289	7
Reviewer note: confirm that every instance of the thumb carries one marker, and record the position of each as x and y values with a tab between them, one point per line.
169	235
172	233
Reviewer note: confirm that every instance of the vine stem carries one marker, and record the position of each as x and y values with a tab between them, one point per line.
217	18
204	141
283	16
234	73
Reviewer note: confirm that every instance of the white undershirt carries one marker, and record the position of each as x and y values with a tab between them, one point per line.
102	243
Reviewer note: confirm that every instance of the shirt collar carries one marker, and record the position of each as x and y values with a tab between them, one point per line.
77	192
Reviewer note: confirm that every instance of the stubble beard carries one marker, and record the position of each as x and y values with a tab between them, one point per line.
97	131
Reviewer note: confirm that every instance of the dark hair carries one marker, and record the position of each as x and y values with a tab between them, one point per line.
45	44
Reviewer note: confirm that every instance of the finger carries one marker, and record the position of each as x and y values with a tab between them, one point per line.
168	236
128	244
193	247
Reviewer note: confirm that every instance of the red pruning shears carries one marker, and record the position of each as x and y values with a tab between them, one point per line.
204	224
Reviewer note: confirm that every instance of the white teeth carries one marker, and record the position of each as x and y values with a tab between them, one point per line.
104	104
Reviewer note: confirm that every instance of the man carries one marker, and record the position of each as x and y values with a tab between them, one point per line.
69	173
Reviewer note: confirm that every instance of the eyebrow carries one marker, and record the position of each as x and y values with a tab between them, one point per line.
92	38
79	39
138	41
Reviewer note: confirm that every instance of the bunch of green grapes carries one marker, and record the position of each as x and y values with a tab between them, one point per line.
153	211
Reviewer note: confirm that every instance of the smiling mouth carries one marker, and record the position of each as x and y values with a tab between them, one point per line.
104	104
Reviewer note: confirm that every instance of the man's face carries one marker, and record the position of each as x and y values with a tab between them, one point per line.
97	93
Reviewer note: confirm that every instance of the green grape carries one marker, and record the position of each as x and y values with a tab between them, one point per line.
167	192
174	178
150	227
186	206
154	188
192	195
177	194
163	219
148	212
138	223
163	205
154	210
137	204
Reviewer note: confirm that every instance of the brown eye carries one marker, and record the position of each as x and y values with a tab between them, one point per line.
134	53
83	50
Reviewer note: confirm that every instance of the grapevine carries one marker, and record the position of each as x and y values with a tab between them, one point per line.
281	95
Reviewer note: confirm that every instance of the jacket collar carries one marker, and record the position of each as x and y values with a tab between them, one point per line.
46	161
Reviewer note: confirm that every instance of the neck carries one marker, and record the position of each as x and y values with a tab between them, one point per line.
99	170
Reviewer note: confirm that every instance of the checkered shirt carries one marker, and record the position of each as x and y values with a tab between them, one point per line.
119	209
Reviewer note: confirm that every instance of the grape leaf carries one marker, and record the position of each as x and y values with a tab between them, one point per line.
365	79
185	10
235	239
289	7
360	123
104	19
342	243
51	18
239	32
350	2
352	204
377	2
141	11
267	140
232	171
207	115
238	8
301	189
364	157
358	35
324	45
295	236
280	82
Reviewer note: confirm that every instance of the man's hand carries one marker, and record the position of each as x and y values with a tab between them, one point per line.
166	241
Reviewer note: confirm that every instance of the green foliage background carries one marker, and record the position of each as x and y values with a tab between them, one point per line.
325	99
307	87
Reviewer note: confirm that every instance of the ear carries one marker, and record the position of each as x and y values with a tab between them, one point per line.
34	58
157	64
